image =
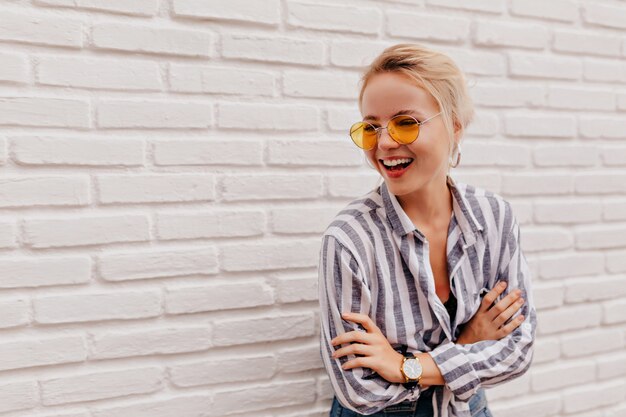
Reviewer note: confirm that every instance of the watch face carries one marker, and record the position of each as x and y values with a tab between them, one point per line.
412	368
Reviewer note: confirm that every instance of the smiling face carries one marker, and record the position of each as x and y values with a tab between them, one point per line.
386	94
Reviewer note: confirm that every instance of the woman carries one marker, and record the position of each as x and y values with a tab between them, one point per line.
414	321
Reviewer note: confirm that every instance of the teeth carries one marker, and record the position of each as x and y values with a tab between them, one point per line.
394	162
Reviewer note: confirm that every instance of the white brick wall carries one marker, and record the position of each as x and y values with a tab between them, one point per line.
168	167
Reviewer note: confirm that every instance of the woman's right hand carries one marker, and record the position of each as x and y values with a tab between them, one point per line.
488	322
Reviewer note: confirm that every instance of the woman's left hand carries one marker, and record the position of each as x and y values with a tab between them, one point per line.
378	354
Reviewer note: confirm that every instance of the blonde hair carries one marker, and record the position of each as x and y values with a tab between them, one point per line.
436	73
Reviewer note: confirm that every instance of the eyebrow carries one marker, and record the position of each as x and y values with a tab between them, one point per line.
408	111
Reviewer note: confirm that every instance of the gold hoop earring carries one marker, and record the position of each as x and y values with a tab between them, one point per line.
458	157
367	161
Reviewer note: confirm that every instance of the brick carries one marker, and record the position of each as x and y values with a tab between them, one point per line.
593	396
269	255
567	156
262	329
354	53
294	290
546	349
616	261
221	80
614	209
587	42
513	389
273	49
36	28
157	263
364	20
484	124
568	319
8	234
3	151
80	308
478	62
14	68
567	211
594	289
352	185
283	394
599	183
614	311
135	8
327	84
341	118
548	295
604	15
194	406
155	188
101	385
536	184
217	297
271	187
544	66
152	39
28	353
77	231
32	271
611	365
564	374
613	155
433	27
266	12
600	237
18	395
313	152
580	99
35	150
605	71
602	127
491	154
535	125
99	73
211	224
300	359
235	369
524	35
571	265
299	220
487	6
590	342
154	114
540	405
13	312
160	341
546	238
509	94
561	10
213	152
268	117
44	112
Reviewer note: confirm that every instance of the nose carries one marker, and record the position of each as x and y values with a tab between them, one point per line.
385	141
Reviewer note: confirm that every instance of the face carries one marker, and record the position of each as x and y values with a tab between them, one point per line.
385	95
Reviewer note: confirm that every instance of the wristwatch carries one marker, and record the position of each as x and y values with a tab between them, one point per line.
411	369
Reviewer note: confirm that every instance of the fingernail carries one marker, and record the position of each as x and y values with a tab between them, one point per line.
502	284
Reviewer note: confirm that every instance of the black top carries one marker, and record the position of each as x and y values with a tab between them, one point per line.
450	305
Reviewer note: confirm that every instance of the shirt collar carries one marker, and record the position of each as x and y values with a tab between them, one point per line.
403	225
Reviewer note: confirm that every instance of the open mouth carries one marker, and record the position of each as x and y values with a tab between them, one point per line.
398	167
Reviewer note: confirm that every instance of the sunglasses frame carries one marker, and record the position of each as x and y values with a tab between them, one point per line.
378	129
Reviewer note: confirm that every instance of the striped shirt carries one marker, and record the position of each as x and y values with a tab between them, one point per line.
374	261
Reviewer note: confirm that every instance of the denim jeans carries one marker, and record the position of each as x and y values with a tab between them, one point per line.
421	408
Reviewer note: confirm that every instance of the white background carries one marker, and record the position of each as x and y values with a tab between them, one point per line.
168	167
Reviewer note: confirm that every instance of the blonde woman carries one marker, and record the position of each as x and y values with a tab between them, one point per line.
425	294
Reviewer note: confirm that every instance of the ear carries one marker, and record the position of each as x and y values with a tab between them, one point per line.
458	133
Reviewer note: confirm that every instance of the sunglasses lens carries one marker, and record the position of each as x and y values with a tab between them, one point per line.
363	135
404	129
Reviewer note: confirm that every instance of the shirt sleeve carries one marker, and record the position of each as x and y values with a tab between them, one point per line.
342	289
467	367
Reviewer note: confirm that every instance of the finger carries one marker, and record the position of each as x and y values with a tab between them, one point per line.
492	295
509	312
362	319
353	336
503	304
508	328
361	362
353	349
